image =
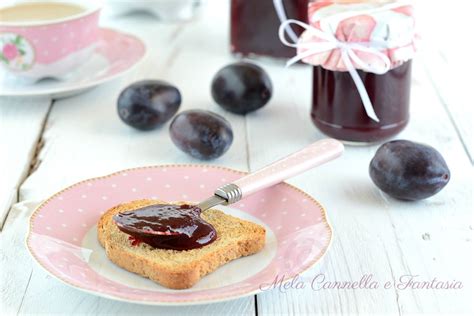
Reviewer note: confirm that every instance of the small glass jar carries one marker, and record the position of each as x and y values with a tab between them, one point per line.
255	23
338	110
361	67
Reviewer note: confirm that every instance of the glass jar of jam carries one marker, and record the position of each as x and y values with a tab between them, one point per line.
361	54
254	26
338	111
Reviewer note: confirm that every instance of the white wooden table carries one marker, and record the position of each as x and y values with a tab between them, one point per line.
47	144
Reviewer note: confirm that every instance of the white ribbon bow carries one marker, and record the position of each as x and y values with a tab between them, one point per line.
348	55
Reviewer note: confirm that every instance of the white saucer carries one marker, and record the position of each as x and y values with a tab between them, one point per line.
116	53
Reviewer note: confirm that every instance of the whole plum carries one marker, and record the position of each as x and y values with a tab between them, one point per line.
202	134
241	87
148	104
409	171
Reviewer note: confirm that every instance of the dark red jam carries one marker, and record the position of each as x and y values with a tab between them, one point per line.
178	227
254	26
134	241
338	110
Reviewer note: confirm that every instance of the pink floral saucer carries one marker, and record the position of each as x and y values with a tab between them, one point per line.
115	53
63	234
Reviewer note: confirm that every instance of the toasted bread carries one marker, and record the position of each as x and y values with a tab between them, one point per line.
180	269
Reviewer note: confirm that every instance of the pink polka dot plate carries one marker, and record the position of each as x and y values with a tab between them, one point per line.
114	54
63	234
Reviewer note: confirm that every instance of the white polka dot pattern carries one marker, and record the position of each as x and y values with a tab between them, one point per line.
58	227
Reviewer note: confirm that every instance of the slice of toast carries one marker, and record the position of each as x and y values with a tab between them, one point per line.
179	269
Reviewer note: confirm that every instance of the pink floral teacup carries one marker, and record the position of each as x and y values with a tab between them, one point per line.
47	38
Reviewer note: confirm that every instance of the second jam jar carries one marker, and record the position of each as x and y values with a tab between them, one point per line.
255	23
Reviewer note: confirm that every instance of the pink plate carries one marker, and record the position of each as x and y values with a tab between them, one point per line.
63	234
115	54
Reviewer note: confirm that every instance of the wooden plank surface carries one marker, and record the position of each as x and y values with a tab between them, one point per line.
453	94
447	62
373	234
22	121
85	138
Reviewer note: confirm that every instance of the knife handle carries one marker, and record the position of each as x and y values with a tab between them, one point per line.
307	158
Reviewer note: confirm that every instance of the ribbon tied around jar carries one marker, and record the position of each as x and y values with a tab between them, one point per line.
381	52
